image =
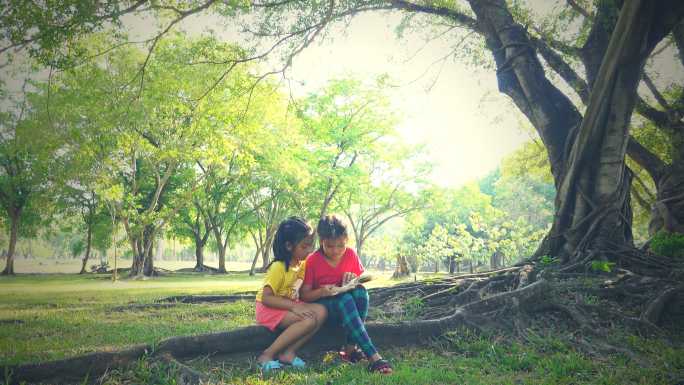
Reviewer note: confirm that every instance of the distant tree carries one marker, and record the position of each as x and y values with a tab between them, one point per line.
31	164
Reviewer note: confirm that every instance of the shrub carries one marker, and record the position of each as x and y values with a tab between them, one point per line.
668	244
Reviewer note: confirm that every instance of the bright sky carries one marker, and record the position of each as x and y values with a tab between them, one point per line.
466	125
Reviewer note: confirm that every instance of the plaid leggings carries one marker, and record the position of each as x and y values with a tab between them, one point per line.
351	309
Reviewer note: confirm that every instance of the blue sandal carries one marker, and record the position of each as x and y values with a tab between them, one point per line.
297	363
270	366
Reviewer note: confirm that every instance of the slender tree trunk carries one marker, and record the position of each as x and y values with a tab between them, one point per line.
159	249
222	258
495	260
14	232
266	248
89	239
199	255
221	245
452	263
359	246
138	258
471	267
254	261
148	266
265	254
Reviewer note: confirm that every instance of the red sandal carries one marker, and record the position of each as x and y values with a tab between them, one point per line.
353	357
380	366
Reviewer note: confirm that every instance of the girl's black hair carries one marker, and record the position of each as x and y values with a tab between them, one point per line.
331	227
292	231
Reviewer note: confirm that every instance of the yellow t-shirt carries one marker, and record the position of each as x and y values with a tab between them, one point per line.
283	283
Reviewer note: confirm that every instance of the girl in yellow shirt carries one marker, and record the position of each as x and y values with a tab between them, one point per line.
277	302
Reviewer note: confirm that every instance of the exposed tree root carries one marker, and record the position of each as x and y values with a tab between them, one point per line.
208	298
142	306
185	374
655	308
11	321
203	269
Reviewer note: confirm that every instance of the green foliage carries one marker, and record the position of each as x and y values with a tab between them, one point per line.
413	307
347	124
603	266
668	244
547	260
77	247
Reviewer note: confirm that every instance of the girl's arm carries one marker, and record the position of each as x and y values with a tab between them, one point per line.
269	299
309	295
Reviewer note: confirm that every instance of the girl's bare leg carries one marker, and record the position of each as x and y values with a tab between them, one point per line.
296	327
290	352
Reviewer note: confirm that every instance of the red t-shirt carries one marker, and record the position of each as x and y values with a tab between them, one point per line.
319	272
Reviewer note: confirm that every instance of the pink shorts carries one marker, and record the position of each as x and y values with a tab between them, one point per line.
268	316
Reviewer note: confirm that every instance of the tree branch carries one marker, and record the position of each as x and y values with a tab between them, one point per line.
654	90
563	69
646	159
454	15
659	118
573	4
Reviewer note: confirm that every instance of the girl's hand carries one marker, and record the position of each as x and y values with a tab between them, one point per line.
303	311
326	291
346	277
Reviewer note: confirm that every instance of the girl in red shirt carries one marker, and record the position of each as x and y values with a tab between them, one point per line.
332	265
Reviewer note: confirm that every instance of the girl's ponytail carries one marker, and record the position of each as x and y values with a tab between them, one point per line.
292	231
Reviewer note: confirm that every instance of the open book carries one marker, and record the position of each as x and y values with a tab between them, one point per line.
351	284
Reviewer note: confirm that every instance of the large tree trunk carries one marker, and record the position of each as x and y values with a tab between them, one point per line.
593	212
14	232
89	241
583	187
143	251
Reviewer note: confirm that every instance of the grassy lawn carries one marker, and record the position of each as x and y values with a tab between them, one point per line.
45	317
52	316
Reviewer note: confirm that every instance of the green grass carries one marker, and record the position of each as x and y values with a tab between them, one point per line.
47	317
52	317
456	359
